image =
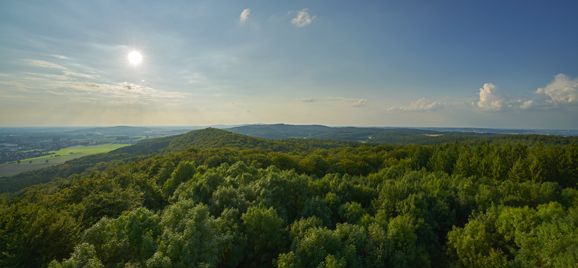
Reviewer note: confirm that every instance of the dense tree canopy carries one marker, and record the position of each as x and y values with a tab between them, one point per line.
363	205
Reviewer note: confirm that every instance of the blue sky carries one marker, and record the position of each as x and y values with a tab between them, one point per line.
502	64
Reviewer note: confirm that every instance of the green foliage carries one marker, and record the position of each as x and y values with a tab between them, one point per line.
265	234
84	256
31	235
132	238
317	208
234	246
513	236
293	204
351	212
519	172
190	237
184	172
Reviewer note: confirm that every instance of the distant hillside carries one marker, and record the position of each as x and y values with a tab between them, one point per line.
373	135
146	146
201	139
281	131
217	138
397	136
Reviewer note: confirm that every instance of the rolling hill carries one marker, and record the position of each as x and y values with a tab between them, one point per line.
322	137
201	139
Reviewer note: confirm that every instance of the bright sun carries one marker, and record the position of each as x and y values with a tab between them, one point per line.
134	57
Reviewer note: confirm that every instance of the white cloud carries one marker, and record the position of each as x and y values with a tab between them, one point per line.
45	64
491	98
19	86
360	103
115	102
60	57
77	74
306	99
562	92
1	74
127	90
527	104
60	93
51	76
119	92
303	19
244	15
420	105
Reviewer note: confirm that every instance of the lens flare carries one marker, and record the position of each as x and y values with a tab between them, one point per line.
134	57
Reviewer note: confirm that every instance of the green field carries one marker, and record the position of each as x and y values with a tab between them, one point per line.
13	169
58	157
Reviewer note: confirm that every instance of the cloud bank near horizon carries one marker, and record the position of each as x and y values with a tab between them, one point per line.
560	94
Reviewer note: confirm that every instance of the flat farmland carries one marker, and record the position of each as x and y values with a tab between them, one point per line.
58	157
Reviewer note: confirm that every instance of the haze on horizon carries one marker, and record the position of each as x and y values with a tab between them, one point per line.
487	64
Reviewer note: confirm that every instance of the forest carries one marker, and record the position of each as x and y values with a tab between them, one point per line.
212	198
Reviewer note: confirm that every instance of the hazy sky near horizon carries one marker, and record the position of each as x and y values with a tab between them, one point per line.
502	64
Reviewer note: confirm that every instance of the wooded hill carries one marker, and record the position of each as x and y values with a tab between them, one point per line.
367	134
206	138
398	136
302	203
216	138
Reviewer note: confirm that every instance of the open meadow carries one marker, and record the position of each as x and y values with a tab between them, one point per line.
59	157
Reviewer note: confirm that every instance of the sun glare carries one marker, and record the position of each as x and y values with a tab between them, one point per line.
134	57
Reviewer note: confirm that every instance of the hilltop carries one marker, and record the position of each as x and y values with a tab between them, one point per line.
200	139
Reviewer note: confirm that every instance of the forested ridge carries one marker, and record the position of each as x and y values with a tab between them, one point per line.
234	201
206	138
215	138
397	136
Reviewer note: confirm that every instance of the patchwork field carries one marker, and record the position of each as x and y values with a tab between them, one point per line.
58	157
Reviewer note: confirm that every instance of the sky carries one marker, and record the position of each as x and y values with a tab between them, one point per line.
489	64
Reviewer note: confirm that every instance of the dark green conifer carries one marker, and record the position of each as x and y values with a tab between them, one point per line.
519	172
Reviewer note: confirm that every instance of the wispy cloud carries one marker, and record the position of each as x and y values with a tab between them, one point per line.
244	15
69	73
341	101
421	105
114	102
1	74
45	64
303	18
19	86
60	57
49	76
123	90
360	103
60	93
306	99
